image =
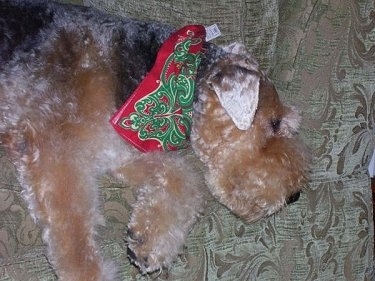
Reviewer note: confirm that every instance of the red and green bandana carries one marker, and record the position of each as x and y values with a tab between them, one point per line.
158	115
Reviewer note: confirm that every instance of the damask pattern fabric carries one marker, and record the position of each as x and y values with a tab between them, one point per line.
320	55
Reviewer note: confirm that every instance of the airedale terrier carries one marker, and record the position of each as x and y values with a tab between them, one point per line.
65	71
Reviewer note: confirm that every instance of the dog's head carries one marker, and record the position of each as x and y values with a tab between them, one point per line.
247	137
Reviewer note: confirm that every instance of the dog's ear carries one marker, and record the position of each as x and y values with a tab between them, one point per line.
240	50
238	91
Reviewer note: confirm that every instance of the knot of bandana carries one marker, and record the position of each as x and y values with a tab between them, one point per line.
158	115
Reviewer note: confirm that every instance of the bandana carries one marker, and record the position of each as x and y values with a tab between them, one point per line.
158	115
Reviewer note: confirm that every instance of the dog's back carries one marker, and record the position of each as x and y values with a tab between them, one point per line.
45	44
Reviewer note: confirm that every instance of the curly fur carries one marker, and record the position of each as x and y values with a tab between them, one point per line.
64	70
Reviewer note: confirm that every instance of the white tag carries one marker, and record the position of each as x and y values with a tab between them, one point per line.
212	32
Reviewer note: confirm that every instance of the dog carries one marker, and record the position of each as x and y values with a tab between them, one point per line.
65	70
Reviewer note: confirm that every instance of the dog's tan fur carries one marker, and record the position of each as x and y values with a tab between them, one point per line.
258	168
56	97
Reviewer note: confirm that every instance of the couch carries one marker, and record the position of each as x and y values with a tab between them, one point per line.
321	56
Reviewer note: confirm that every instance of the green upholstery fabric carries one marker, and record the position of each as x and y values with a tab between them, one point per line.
320	55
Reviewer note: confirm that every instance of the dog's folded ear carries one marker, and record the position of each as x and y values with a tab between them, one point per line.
237	88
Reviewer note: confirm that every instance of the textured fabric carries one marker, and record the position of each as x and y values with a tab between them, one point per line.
252	22
158	115
325	64
321	57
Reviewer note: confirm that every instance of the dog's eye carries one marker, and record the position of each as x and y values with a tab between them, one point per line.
275	124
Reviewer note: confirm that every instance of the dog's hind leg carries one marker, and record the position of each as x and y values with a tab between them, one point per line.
60	189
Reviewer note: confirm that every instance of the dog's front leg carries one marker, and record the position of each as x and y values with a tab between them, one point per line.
169	200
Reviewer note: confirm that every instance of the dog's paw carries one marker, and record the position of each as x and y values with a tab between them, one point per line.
158	229
153	247
163	214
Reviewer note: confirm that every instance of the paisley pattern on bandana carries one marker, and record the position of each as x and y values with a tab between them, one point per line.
161	119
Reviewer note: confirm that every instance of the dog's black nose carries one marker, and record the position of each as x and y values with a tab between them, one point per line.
293	198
